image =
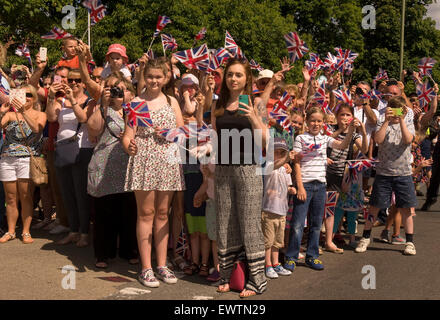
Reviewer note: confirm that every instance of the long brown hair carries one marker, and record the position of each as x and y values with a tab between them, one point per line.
224	91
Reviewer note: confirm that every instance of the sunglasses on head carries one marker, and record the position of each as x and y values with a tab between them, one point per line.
72	80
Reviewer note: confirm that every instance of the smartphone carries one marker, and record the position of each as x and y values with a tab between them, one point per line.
43	54
56	79
242	98
19	94
397	112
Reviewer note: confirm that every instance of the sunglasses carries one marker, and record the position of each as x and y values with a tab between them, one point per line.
95	77
72	80
29	95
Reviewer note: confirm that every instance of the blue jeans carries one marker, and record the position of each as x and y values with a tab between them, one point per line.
314	204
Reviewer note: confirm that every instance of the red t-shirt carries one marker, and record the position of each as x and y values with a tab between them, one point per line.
72	63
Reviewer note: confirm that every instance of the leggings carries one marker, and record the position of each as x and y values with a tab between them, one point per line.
238	194
72	181
351	220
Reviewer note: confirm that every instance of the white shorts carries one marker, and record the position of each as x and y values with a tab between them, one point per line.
14	168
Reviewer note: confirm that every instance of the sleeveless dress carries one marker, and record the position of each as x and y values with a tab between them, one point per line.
14	144
108	166
156	166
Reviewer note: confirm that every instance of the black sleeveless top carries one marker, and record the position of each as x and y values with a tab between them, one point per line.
235	140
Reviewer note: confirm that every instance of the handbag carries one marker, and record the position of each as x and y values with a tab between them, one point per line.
37	165
238	276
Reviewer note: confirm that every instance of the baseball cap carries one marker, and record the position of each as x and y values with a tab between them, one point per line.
266	73
117	48
189	79
280	143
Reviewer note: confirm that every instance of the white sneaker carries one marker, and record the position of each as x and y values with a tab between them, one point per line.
281	271
270	273
59	229
410	249
362	246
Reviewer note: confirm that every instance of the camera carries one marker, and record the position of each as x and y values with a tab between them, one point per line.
409	72
116	92
359	91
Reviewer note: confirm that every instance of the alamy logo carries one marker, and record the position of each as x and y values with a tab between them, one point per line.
369	281
69	280
369	21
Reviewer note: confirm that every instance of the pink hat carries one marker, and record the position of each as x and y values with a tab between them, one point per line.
117	48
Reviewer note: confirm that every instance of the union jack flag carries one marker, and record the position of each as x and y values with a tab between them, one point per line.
197	58
372	94
56	34
217	58
425	66
330	62
255	65
345	58
382	75
2	88
23	51
182	246
138	114
201	34
161	23
311	146
97	10
283	104
232	46
178	135
282	119
314	63
425	94
361	164
327	130
168	42
330	203
319	96
295	46
343	96
151	55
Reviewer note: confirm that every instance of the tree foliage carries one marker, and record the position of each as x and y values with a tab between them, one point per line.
257	26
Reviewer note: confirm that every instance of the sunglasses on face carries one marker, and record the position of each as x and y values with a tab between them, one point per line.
29	95
74	80
95	77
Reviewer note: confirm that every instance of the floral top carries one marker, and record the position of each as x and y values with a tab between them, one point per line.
15	144
421	176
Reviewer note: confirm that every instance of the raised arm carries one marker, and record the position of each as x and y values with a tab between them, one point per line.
93	88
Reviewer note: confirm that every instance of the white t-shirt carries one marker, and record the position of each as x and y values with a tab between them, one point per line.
314	151
107	72
361	116
68	124
275	198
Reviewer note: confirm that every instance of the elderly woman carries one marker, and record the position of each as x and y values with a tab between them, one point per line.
115	209
23	126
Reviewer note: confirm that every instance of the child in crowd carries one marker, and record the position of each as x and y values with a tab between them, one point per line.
350	198
394	136
277	185
310	170
117	59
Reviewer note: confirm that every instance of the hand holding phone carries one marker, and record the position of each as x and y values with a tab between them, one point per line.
18	94
243	98
397	112
43	54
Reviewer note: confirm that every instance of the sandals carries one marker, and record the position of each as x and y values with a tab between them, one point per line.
27	239
179	262
190	270
246	293
223	288
336	250
204	270
7	237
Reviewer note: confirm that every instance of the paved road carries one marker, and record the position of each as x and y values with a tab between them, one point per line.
35	272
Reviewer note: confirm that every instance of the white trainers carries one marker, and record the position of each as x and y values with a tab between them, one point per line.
281	271
59	229
270	273
362	246
410	249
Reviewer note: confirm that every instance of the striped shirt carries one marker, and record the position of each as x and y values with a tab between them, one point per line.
314	151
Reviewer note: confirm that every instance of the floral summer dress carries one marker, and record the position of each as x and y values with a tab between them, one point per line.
156	166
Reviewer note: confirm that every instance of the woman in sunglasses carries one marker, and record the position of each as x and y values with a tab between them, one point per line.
72	112
20	141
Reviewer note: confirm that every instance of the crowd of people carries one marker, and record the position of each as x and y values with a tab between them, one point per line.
111	170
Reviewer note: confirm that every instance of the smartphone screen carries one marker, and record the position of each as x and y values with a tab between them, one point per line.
243	98
43	53
19	94
397	112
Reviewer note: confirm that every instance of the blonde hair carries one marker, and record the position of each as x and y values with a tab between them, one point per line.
292	88
312	110
34	94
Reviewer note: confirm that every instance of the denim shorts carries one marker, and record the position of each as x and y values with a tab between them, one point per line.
403	188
